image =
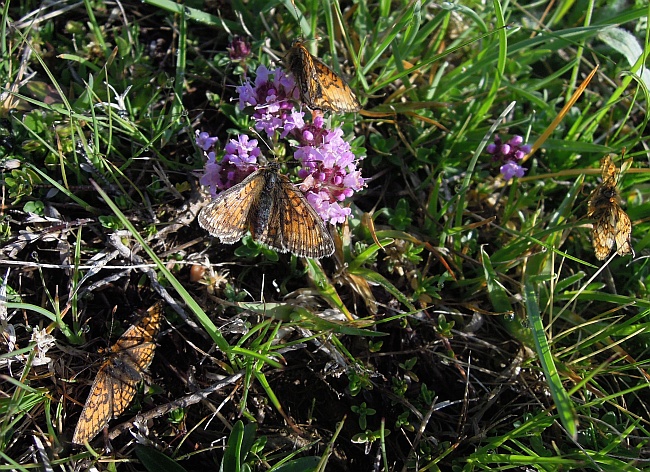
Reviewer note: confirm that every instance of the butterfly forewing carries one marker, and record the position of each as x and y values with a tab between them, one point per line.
320	87
226	217
116	382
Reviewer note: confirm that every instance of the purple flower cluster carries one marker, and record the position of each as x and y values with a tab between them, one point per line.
329	170
272	97
329	173
239	160
238	49
509	154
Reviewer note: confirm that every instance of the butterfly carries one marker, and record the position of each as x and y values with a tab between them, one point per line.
275	211
116	382
612	224
320	87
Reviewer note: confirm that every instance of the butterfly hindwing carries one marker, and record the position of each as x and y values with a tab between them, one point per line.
623	233
97	411
301	230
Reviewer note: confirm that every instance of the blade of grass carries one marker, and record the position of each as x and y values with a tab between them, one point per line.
205	321
563	404
486	104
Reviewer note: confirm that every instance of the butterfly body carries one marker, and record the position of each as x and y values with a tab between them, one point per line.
320	87
260	214
274	210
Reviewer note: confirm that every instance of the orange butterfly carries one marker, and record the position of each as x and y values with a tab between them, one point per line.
118	377
320	87
612	224
275	211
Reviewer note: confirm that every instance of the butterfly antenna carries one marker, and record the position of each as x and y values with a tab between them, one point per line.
266	143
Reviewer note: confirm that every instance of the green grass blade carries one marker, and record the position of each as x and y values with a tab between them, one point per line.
566	410
205	321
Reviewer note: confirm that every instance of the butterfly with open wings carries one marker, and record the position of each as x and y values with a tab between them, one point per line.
117	379
274	210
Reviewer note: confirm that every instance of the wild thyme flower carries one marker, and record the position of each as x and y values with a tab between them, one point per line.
272	97
239	161
509	154
242	152
330	174
294	124
211	177
511	169
238	49
205	141
311	134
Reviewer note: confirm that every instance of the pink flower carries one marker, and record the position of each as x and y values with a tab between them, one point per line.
509	154
238	49
510	170
239	161
330	175
271	97
205	141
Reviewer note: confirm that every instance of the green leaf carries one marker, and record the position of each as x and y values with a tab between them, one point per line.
302	464
625	43
156	461
565	408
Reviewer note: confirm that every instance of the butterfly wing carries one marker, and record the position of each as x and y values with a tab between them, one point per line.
623	232
608	171
295	226
300	63
124	374
336	94
117	379
226	217
320	87
145	330
603	233
150	323
98	409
